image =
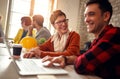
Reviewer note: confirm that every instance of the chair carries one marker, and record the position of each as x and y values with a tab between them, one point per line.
86	47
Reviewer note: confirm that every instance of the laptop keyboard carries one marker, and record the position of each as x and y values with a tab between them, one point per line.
29	65
36	66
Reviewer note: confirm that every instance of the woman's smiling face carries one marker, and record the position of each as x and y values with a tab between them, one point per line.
61	24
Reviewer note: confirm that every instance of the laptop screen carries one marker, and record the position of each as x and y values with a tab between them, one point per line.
3	40
1	34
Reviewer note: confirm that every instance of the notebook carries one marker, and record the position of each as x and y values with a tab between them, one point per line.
32	66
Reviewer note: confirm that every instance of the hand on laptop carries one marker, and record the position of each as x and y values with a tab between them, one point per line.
34	52
54	61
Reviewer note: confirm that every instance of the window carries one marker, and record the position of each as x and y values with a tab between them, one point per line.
20	8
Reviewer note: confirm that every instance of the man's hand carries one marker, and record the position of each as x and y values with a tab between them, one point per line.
60	60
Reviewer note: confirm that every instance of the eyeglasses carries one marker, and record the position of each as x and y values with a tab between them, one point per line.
61	22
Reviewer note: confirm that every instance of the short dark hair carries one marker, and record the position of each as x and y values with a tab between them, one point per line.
55	14
104	5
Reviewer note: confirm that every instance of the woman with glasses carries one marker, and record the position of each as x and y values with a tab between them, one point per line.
64	42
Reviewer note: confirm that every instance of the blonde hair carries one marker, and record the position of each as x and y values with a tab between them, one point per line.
55	14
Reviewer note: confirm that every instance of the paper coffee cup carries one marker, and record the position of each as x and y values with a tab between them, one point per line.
17	49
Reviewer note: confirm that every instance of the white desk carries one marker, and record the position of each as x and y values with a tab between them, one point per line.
8	70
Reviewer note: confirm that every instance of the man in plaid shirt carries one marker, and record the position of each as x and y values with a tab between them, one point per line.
103	57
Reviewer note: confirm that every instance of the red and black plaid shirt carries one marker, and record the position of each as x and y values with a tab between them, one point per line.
103	57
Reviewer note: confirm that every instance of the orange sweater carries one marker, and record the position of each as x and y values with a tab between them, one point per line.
72	46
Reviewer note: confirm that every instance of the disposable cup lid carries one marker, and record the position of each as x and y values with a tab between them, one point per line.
16	45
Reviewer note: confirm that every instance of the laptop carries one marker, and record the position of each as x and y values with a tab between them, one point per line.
36	67
32	66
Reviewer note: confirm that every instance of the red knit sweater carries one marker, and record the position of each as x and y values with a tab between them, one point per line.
72	46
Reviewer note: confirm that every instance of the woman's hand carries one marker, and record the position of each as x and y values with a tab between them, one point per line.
30	29
60	60
34	52
29	55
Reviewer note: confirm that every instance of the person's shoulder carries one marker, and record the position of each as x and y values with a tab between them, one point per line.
115	28
113	31
118	28
44	29
20	29
73	33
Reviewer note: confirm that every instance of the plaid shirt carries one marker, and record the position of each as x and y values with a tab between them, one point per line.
103	57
